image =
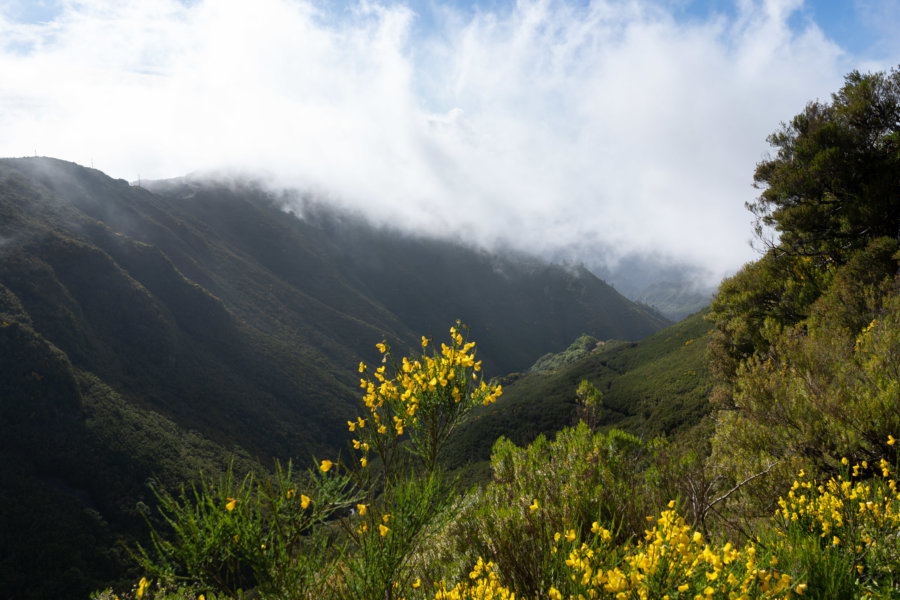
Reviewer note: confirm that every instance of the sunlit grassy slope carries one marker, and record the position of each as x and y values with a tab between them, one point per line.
658	385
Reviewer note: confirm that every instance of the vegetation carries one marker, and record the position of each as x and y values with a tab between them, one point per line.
560	519
788	488
805	345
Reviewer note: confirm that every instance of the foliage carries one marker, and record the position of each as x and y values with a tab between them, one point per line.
272	534
536	491
581	347
824	388
231	536
805	344
426	398
659	385
590	403
560	519
833	185
841	535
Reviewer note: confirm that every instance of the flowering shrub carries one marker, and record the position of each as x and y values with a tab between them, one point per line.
425	398
670	561
484	585
843	534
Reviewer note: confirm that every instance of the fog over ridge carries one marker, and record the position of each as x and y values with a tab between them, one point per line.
589	132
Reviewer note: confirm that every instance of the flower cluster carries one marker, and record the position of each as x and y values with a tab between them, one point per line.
855	513
424	397
483	585
672	561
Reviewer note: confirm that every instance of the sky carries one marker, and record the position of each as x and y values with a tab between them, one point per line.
590	131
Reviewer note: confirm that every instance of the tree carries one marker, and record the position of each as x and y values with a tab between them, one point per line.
834	183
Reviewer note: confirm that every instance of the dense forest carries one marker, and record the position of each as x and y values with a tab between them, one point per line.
748	451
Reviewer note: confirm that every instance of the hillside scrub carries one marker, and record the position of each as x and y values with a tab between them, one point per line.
805	348
583	516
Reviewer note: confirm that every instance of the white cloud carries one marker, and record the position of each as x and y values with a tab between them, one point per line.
608	128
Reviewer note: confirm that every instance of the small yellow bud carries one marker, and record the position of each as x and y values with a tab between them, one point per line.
325	466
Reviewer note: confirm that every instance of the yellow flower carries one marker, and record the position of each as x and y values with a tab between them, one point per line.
418	582
534	505
891	440
386	517
424	341
383	530
381	347
801	588
230	504
290	493
142	587
351	425
304	501
363	462
361	508
325	466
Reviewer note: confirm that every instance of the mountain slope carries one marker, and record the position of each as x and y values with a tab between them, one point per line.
658	385
155	332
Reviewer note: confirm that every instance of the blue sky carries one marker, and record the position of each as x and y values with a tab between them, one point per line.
859	26
586	130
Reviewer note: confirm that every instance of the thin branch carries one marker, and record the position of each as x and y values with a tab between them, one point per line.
741	484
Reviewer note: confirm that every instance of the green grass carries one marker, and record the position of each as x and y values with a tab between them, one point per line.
659	385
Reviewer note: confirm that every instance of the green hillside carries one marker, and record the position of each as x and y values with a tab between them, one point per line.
155	332
659	385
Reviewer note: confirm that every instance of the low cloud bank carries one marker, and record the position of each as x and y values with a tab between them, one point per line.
591	132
